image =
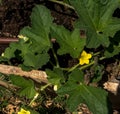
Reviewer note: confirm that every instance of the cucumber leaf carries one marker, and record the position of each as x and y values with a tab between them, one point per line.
94	98
55	76
27	88
32	48
41	21
95	17
70	42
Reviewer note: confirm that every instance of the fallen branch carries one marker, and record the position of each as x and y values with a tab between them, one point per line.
36	75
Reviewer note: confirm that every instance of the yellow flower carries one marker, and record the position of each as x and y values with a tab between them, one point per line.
22	111
84	59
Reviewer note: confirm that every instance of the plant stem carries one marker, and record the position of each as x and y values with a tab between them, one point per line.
51	63
83	67
74	67
62	3
44	87
56	59
97	53
35	97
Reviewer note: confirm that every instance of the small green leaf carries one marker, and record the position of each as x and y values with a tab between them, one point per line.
96	19
112	50
94	98
26	86
114	47
55	77
70	43
10	51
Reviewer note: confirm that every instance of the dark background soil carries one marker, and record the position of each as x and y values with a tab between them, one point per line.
14	15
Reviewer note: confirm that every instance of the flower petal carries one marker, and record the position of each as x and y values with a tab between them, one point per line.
81	62
22	111
83	53
88	56
84	59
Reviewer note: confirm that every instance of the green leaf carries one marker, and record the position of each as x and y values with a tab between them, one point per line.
33	52
95	17
114	47
76	76
35	61
112	50
27	88
94	98
3	59
70	42
33	112
9	52
41	21
55	77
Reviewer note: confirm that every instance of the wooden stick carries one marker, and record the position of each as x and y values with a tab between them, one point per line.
36	75
7	40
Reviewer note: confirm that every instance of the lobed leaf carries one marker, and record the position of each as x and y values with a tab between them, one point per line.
70	42
95	17
33	52
41	21
26	86
94	98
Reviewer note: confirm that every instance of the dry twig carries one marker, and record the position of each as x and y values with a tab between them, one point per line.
36	75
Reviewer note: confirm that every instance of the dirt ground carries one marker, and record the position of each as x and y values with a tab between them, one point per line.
14	15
